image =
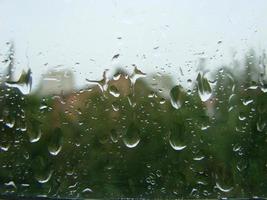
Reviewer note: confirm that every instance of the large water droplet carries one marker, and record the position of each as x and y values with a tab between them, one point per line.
114	135
176	94
137	73
55	142
177	137
43	178
24	83
264	88
101	83
41	170
224	180
223	189
261	123
35	134
204	89
132	136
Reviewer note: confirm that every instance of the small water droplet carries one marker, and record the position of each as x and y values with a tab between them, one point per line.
162	101
199	158
11	184
204	127
10	124
114	91
116	76
115	56
115	106
241	116
247	102
253	87
4	147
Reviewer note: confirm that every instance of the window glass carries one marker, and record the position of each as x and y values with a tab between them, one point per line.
133	99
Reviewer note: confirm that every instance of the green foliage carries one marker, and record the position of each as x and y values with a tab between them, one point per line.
62	145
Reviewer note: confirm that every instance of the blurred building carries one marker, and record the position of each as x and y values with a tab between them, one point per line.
56	82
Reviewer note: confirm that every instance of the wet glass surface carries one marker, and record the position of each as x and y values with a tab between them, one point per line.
143	99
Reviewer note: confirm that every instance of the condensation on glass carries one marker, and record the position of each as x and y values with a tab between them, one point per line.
143	99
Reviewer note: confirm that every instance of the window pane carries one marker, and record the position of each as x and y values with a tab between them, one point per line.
138	99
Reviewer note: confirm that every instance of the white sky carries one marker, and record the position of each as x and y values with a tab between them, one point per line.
64	32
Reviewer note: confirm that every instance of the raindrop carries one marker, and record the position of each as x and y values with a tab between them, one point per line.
176	137
253	87
12	184
35	135
114	91
115	106
204	127
131	101
10	124
41	169
116	76
241	116
137	73
223	189
115	56
102	84
261	124
236	148
204	89
132	136
264	88
55	142
224	180
233	99
162	101
87	190
24	83
114	135
247	102
199	158
4	147
176	95
44	179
